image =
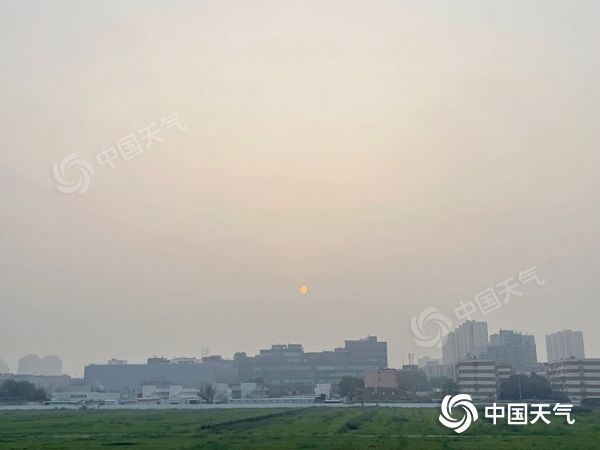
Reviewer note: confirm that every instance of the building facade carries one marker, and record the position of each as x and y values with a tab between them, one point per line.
564	345
514	348
577	379
49	383
34	365
160	372
469	340
288	369
434	368
323	391
84	397
381	379
481	378
284	368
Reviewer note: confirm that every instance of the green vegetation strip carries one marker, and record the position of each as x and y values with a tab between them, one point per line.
250	420
283	428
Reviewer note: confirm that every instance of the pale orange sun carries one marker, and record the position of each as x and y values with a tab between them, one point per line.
303	290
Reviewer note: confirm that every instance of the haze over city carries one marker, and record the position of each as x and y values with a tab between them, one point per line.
389	157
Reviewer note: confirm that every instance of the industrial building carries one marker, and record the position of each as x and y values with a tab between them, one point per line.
288	369
160	372
284	368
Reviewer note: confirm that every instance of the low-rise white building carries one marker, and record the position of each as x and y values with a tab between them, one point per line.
481	378
323	390
253	390
578	379
173	395
222	392
85	397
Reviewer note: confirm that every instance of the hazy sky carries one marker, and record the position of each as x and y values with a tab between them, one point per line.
390	155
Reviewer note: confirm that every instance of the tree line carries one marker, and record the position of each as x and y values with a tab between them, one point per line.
14	390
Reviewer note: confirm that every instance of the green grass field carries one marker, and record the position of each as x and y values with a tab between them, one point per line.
316	428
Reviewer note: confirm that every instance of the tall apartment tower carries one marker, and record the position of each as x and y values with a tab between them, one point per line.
468	341
565	344
34	365
3	367
514	348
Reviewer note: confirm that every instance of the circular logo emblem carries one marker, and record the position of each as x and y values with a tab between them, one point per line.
463	401
71	185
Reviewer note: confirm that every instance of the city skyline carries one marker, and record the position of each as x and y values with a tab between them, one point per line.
299	224
172	174
480	352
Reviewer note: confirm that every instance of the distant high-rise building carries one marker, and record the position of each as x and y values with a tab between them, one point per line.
422	362
34	365
3	367
469	340
564	345
514	348
433	367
